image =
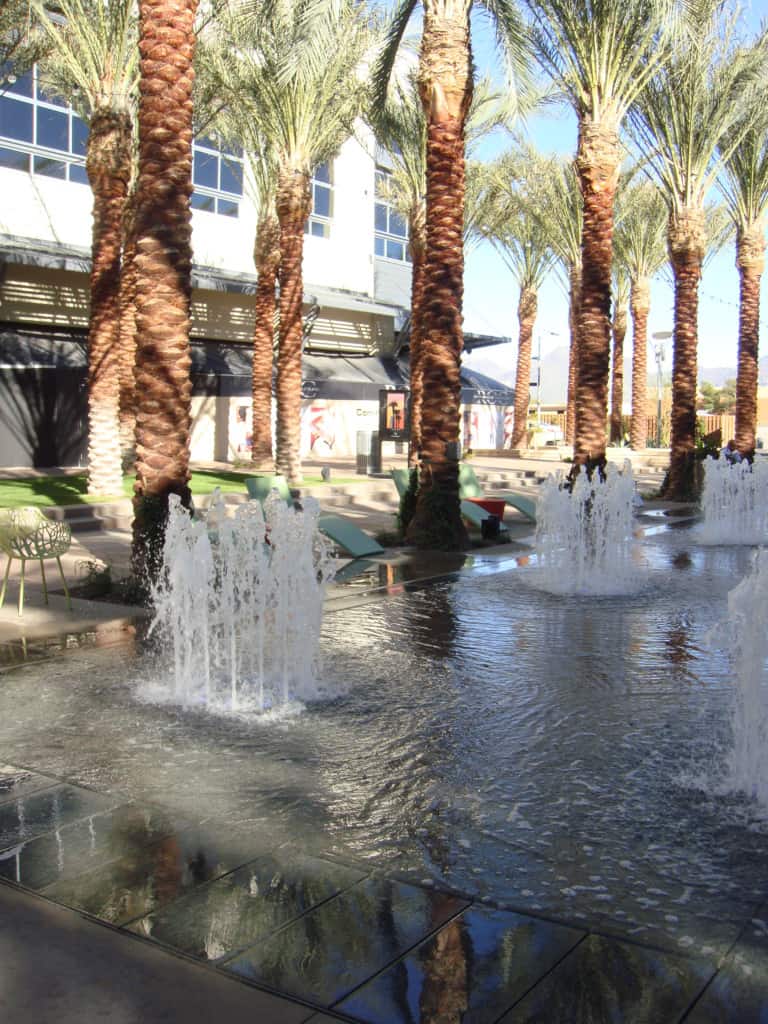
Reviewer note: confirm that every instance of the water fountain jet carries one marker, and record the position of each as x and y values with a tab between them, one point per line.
584	534
734	502
747	767
239	603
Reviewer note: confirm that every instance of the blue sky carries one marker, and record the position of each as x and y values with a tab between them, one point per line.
490	296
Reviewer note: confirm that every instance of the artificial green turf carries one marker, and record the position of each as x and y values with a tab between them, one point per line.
71	490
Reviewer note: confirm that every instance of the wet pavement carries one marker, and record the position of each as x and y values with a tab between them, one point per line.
330	936
127	910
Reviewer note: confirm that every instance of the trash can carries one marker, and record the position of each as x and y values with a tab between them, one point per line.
489	528
368	453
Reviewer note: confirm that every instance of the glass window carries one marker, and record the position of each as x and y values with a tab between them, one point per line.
50	168
22	85
231	177
205	169
395	250
199	201
397	225
390	229
216	177
48	97
52	129
227	208
79	174
16	119
321	206
79	135
16	161
322	202
33	122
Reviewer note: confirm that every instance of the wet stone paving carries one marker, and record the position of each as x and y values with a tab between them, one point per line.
469	838
350	942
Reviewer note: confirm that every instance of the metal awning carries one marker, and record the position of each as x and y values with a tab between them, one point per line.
55	256
22	349
346	378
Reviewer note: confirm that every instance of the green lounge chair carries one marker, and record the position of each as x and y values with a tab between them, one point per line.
260	487
25	533
348	536
402	478
469	487
341	530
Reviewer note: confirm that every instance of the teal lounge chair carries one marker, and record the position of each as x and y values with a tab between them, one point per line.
348	536
341	530
469	487
260	487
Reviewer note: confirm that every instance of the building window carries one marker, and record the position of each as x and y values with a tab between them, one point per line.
390	237
39	133
319	222
217	177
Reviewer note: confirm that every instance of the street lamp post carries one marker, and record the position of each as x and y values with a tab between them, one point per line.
659	337
537	382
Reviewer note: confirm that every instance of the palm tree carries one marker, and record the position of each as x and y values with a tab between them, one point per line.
689	119
93	59
744	185
640	249
445	78
21	45
619	328
561	214
400	126
226	104
600	55
164	264
297	75
513	187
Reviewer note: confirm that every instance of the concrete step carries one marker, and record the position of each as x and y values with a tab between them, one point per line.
113	515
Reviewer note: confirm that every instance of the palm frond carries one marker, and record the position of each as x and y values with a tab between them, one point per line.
601	53
690	115
93	58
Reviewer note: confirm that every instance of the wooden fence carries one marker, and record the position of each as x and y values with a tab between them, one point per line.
708	425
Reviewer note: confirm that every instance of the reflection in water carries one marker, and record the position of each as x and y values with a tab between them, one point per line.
546	752
444	995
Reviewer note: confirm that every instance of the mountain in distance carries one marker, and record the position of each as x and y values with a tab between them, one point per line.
554	375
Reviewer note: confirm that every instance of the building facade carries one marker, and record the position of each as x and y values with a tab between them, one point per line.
357	293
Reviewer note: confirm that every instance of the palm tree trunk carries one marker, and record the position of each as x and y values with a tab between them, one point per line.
597	163
266	256
526	317
445	87
640	304
750	260
108	162
164	265
617	388
294	203
573	353
418	247
686	249
128	335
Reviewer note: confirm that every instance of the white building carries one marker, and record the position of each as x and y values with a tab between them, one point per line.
357	293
